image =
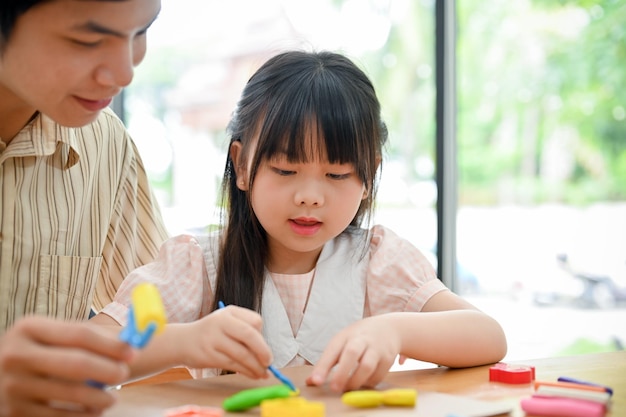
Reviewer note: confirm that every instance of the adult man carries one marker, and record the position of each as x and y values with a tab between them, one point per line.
76	210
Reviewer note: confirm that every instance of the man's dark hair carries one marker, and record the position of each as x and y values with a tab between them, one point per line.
10	10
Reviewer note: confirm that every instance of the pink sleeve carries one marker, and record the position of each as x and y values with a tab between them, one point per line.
399	277
180	275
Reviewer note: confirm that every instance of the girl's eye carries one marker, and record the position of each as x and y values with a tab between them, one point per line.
339	176
283	172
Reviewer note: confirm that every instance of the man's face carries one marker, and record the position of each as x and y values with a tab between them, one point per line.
69	58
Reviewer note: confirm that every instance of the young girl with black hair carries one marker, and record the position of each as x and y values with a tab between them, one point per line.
293	262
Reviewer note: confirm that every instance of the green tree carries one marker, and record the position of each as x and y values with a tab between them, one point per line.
539	82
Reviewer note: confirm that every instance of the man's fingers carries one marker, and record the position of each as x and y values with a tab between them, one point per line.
80	335
27	393
51	410
72	352
79	365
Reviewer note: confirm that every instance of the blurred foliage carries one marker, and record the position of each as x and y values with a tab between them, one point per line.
403	73
541	97
582	346
541	115
542	104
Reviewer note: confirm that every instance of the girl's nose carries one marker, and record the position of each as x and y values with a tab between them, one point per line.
309	194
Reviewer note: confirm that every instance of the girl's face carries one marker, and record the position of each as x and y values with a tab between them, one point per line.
301	206
68	58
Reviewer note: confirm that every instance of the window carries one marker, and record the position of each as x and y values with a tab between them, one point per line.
539	127
542	170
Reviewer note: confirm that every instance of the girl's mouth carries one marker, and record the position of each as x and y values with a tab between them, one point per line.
305	227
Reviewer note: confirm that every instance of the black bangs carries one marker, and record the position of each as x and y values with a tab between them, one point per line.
311	106
318	104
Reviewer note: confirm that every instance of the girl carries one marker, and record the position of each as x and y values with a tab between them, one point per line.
300	181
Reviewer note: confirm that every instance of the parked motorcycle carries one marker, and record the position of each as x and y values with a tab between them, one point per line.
598	290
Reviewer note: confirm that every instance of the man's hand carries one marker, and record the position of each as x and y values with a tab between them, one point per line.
45	363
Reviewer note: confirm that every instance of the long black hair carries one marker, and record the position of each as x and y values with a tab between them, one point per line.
289	95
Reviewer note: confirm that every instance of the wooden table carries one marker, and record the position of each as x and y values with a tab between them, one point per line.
473	383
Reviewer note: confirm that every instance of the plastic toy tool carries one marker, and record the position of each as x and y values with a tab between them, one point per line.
402	397
253	397
568	397
146	316
562	407
570	380
511	374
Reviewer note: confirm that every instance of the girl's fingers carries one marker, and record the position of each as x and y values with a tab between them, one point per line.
370	372
349	363
343	358
237	357
355	362
234	342
250	317
325	364
226	362
246	330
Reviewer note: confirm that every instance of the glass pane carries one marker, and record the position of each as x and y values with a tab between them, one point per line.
542	170
198	63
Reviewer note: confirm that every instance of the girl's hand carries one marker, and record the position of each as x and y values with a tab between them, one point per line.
231	339
45	363
361	355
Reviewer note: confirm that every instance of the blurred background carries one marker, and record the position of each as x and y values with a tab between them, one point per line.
540	137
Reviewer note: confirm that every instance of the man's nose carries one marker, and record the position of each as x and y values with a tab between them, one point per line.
118	69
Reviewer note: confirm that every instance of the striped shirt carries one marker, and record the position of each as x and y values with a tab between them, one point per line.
76	216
